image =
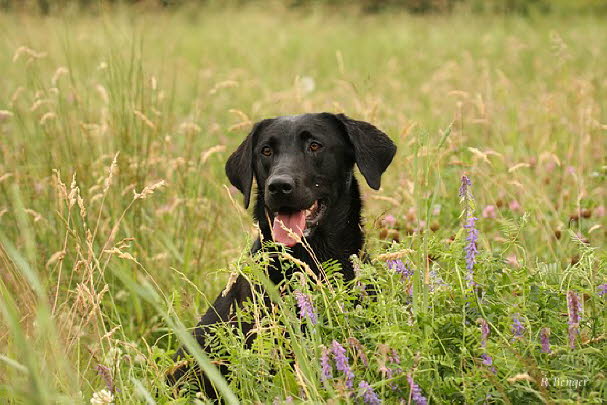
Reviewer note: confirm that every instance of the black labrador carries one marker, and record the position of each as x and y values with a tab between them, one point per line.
303	166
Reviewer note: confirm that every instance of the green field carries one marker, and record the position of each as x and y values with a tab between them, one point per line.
118	225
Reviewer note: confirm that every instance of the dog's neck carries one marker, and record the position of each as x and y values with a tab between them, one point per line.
336	239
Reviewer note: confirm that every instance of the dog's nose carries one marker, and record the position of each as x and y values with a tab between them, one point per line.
281	184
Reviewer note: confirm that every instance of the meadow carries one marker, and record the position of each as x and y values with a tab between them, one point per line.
488	238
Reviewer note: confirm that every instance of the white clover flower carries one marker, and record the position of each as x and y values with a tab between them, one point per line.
102	397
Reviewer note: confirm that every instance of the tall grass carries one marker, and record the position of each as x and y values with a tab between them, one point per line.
118	227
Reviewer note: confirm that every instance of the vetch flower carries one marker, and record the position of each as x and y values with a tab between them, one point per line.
341	362
463	189
368	395
518	330
306	309
399	267
488	361
416	392
574	307
602	290
325	363
393	357
484	331
106	374
545	338
470	248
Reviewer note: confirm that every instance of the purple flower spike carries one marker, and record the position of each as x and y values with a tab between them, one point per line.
545	337
325	363
470	249
341	362
368	395
574	307
518	330
471	239
602	290
306	309
416	392
463	189
484	331
106	374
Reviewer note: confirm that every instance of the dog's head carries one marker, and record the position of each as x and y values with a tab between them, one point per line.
303	165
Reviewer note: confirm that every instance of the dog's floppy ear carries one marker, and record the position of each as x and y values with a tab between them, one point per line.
373	150
239	167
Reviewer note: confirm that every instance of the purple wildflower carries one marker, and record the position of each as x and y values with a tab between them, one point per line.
399	267
572	332
471	239
368	395
416	392
106	374
306	309
518	330
470	248
341	362
545	337
327	370
602	290
488	361
469	225
574	307
484	331
463	189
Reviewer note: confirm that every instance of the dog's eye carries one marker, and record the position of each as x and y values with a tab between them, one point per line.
266	151
315	147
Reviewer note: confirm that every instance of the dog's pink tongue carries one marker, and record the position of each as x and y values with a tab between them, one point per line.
295	221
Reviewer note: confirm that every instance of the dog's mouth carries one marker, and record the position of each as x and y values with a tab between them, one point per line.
291	225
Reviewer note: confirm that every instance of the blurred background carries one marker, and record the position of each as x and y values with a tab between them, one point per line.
369	6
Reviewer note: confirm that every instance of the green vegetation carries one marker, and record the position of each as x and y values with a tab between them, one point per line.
118	225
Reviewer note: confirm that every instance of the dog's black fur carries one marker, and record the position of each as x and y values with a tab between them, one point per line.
297	160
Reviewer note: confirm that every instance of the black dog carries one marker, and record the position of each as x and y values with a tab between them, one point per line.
303	166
